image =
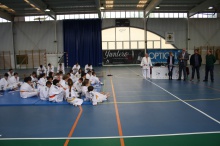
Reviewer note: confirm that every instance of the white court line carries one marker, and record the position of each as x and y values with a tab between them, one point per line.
182	100
111	137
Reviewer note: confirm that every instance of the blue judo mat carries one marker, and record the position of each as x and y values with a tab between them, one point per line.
12	98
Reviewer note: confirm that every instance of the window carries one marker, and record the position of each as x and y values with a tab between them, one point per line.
3	20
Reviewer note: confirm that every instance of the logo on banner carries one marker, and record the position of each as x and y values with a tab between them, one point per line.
169	37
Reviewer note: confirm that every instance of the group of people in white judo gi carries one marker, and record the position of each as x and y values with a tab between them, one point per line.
59	86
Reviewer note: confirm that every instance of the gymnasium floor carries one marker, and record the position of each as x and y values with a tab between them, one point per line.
138	113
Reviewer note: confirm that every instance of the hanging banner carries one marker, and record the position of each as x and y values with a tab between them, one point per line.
169	37
160	55
113	57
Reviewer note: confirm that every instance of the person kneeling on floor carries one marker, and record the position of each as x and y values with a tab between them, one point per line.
44	91
71	95
96	96
27	89
56	93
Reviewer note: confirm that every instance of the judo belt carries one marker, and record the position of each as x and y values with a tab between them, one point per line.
52	96
70	99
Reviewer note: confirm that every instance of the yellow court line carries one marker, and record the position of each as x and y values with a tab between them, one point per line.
162	101
117	115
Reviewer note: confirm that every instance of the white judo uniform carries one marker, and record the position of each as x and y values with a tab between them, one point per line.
71	97
97	97
73	77
41	70
4	85
78	75
56	94
41	82
146	64
85	93
60	68
94	80
75	68
10	74
88	68
78	86
27	91
50	69
44	92
88	76
14	82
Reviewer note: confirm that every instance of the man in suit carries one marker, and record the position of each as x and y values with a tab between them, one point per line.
195	62
209	67
183	57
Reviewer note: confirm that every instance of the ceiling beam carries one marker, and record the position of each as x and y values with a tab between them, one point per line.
97	3
6	16
42	6
203	6
151	7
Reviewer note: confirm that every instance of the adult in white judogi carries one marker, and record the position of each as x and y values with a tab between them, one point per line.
26	89
50	68
78	85
56	93
4	85
10	73
44	91
41	69
96	96
75	68
88	67
14	81
146	65
71	95
60	68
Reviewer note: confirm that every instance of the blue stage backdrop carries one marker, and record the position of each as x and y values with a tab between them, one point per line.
160	55
82	41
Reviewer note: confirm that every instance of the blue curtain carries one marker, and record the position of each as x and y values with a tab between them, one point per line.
82	41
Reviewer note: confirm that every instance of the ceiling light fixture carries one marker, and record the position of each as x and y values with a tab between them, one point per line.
142	2
140	5
47	10
157	7
109	2
102	7
210	8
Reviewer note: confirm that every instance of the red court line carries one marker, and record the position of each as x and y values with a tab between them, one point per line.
74	126
117	115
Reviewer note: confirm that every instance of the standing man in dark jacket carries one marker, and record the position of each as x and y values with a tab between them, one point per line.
195	62
209	67
183	57
170	63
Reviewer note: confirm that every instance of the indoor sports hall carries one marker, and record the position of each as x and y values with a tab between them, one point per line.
166	107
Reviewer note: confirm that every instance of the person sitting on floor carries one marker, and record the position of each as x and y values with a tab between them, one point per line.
4	85
34	79
10	73
41	69
27	89
56	94
60	68
75	68
63	82
14	81
72	76
78	85
50	68
94	79
71	95
50	79
89	74
44	91
96	97
42	80
78	74
88	67
85	86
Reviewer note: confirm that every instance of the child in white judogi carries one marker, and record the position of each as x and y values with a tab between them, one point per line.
72	76
60	68
42	80
34	79
4	85
41	69
10	73
85	85
78	85
88	75
94	79
71	95
96	96
50	68
56	93
14	81
75	68
88	67
78	73
63	82
27	89
44	91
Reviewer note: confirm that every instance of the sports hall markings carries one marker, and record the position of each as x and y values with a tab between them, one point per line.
74	126
210	117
